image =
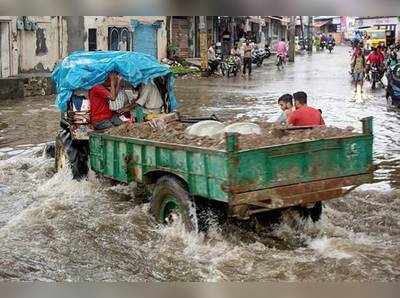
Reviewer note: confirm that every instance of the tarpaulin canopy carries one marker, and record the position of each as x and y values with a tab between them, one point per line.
83	70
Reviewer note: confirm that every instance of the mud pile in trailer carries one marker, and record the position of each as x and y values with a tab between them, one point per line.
271	134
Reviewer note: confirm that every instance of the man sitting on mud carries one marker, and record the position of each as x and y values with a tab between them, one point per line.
148	97
286	104
101	115
304	115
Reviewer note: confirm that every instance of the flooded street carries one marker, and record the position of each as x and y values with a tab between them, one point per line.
55	229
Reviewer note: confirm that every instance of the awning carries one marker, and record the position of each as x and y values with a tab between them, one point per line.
319	24
257	21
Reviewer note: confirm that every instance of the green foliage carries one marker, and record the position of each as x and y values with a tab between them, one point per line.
173	49
183	70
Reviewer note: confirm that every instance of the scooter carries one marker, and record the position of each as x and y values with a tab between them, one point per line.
230	66
267	51
393	86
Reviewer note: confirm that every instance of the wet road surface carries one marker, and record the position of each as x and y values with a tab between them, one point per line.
53	228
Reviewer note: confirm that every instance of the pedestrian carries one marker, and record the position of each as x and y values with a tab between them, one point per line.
304	115
281	49
247	49
286	104
235	53
358	67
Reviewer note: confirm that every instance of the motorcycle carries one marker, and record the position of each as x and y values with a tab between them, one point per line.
267	51
323	44
213	65
330	46
230	66
393	86
376	76
258	56
281	61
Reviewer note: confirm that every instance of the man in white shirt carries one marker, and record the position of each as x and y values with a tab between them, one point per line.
212	59
148	97
247	50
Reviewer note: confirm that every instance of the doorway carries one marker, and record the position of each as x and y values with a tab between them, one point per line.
5	70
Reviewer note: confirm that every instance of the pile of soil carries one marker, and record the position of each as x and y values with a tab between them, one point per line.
273	134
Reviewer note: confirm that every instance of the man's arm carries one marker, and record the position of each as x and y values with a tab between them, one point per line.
115	82
322	122
282	118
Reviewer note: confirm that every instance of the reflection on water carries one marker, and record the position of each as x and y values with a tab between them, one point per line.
53	228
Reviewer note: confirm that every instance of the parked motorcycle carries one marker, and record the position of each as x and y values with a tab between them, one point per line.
267	51
258	56
213	65
230	66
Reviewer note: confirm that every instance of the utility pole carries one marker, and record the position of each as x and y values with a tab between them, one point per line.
203	44
310	35
292	27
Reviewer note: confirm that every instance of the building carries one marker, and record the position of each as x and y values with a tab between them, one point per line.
224	30
276	28
329	25
389	23
34	44
184	35
31	44
127	33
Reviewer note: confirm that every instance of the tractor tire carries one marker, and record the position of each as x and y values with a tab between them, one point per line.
74	153
170	199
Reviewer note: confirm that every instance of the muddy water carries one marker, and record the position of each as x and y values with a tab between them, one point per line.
53	228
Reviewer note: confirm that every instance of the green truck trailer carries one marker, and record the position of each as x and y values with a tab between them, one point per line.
248	182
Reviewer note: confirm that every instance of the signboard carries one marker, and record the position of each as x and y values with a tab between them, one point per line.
336	21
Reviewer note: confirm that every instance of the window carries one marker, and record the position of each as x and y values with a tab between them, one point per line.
119	39
92	41
377	34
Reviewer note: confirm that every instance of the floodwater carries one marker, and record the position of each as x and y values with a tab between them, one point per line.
55	229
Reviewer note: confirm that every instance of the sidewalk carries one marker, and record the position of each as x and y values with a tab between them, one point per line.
26	85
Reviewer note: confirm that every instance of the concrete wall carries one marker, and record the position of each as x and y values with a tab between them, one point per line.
39	50
76	33
102	24
9	49
180	36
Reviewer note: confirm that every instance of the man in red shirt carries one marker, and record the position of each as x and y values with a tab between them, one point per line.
377	58
304	115
101	115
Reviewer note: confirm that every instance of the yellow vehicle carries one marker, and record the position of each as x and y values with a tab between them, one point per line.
375	37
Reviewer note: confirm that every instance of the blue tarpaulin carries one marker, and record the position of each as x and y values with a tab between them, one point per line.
83	70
